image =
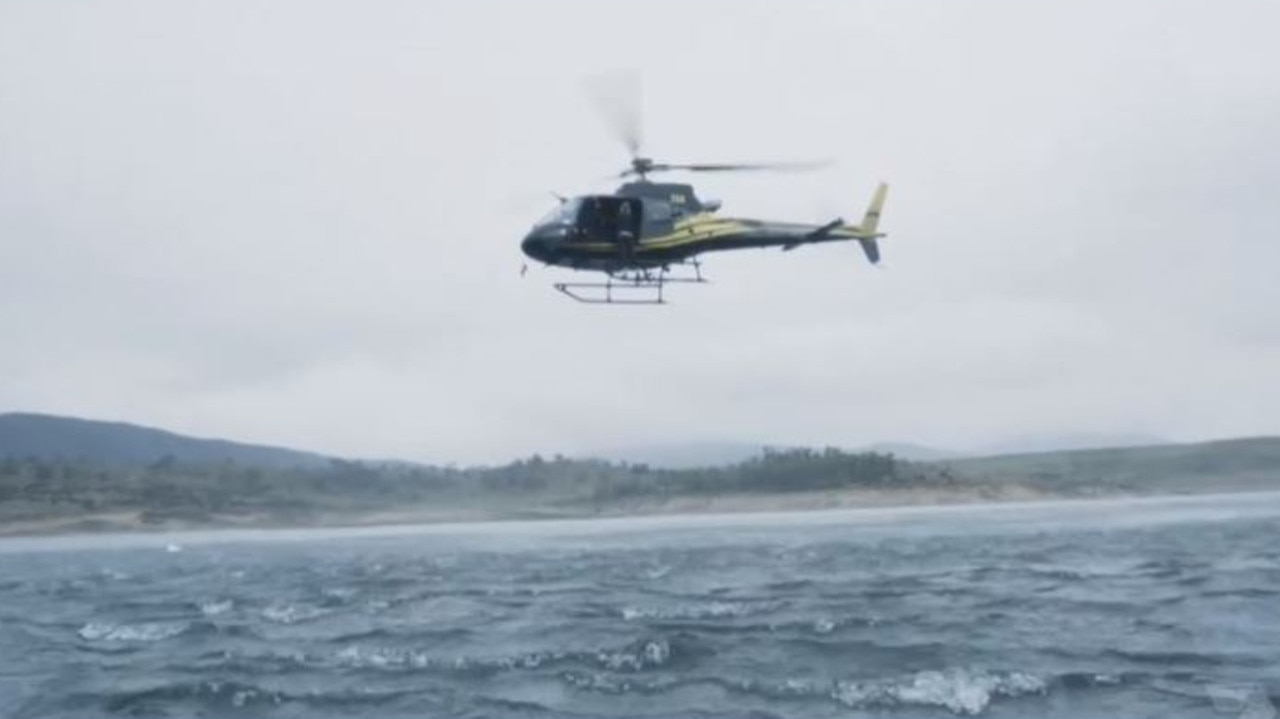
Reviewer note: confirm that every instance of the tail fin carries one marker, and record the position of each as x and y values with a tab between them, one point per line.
870	221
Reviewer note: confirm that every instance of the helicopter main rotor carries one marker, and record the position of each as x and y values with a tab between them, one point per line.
642	166
617	97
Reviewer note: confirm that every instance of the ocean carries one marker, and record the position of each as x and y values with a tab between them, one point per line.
1111	608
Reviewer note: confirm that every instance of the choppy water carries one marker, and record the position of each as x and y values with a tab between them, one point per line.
1140	608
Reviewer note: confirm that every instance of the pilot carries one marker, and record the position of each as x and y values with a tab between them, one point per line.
626	229
599	217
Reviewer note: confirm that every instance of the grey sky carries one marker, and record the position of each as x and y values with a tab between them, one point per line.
298	222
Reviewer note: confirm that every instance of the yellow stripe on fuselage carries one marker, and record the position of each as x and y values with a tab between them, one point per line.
695	228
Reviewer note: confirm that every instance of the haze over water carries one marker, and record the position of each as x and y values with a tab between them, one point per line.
1159	607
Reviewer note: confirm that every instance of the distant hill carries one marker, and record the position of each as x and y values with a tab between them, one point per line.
1067	442
118	443
683	456
1233	464
911	452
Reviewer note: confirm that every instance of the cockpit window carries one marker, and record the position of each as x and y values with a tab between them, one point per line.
564	213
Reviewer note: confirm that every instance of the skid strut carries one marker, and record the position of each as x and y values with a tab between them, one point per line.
633	287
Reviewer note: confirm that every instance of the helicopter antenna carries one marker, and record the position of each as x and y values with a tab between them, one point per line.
617	96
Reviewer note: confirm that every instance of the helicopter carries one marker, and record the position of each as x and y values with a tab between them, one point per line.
645	234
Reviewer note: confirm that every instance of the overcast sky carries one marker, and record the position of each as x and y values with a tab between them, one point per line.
298	223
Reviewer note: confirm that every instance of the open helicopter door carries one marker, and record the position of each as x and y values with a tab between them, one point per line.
616	220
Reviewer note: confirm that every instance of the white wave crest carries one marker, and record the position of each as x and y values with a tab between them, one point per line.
658	572
636	657
378	658
957	690
710	610
649	654
292	613
145	632
215	607
390	658
341	594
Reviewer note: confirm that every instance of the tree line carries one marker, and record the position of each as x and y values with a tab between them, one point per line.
32	487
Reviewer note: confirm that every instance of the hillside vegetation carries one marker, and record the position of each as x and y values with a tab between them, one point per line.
1236	464
60	474
34	489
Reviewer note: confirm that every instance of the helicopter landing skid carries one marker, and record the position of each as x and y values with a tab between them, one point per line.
631	287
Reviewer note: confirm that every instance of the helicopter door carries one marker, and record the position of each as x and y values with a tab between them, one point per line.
615	220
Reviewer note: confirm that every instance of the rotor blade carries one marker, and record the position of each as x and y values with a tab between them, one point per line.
727	167
617	96
752	166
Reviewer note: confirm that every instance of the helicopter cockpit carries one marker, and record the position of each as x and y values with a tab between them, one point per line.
565	213
587	219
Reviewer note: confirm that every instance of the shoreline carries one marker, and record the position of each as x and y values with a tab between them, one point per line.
131	521
1104	513
717	510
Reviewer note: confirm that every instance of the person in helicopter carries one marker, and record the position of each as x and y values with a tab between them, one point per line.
626	231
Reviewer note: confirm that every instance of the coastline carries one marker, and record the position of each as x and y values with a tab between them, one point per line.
1099	512
132	521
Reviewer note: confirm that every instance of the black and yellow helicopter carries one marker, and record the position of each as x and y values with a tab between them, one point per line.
647	234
